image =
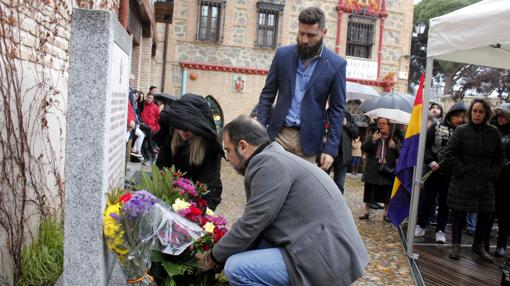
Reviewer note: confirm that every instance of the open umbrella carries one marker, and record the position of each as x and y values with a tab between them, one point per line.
390	100
360	91
166	98
394	115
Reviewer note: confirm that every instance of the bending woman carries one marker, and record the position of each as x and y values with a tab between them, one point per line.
188	141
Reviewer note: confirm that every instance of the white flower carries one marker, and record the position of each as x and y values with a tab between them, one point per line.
180	204
209	227
208	211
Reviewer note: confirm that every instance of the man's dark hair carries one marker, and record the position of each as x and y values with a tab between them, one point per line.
485	105
245	128
312	16
151	88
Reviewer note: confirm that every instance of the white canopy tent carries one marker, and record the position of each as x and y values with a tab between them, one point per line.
478	34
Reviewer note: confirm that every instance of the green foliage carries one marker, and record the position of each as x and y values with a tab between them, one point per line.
42	262
427	9
160	184
114	195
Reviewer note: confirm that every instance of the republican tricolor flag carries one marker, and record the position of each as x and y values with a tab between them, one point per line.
402	187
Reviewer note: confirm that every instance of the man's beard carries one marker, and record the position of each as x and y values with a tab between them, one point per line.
307	52
241	168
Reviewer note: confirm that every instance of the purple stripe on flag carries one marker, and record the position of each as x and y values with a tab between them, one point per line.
408	153
399	206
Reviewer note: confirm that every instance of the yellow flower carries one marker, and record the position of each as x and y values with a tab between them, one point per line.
208	211
209	227
112	230
180	204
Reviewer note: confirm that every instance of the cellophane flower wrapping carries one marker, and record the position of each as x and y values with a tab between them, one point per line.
136	223
174	261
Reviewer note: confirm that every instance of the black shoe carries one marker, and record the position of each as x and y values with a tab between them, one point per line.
455	252
482	254
135	159
500	252
365	216
376	206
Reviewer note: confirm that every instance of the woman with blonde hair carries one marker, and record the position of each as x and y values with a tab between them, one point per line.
188	142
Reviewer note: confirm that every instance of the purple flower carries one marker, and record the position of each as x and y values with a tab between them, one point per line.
140	203
216	220
185	186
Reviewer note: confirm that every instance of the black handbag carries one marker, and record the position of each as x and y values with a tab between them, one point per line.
387	169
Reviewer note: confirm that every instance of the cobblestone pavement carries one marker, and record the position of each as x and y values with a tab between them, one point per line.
388	264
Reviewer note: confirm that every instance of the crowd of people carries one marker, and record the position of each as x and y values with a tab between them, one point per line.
296	228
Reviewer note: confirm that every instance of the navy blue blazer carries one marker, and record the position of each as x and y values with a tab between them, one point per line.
326	84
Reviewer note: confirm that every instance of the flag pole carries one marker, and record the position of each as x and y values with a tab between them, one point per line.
415	195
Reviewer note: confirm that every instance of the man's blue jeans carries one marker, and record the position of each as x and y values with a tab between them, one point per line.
471	221
257	267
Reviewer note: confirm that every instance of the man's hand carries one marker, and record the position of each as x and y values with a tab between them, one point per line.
205	261
326	161
434	165
131	125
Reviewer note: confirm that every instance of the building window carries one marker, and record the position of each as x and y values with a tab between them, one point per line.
360	36
209	20
267	24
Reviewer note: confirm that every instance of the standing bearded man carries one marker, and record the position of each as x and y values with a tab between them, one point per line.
305	76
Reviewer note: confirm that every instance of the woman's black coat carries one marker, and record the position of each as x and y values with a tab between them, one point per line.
475	156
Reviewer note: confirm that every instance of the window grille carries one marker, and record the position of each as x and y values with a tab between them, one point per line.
210	20
360	36
267	24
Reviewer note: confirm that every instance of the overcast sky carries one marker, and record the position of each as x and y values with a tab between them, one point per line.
416	1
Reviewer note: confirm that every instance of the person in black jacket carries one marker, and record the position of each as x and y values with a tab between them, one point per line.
344	158
188	141
474	154
436	186
501	120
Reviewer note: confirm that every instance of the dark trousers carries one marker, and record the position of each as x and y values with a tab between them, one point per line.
483	227
147	150
435	188
503	216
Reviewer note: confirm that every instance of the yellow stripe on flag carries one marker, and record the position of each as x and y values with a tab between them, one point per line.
396	185
415	123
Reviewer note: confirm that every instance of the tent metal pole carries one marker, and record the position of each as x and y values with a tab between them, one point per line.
415	195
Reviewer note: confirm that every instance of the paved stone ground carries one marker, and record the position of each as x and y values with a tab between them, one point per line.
387	265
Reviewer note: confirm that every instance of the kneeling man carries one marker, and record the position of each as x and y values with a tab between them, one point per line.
296	228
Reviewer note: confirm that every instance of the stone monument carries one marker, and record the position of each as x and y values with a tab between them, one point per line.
99	70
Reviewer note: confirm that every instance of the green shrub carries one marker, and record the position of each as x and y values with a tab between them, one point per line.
42	262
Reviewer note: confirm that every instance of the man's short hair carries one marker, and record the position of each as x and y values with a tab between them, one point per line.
312	16
245	128
152	87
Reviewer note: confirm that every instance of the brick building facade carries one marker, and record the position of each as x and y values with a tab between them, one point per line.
211	43
34	60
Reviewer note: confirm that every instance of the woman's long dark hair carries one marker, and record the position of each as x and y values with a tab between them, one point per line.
486	107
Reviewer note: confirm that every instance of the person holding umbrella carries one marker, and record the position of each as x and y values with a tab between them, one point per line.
382	149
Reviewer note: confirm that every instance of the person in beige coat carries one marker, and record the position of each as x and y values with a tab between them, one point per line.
356	155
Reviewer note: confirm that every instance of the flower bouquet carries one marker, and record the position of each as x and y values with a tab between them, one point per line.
157	231
137	222
186	199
